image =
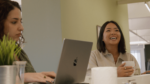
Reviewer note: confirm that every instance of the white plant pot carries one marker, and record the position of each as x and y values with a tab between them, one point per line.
8	74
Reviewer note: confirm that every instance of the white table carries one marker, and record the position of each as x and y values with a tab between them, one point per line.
140	79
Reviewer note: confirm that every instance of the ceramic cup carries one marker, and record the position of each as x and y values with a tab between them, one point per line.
130	63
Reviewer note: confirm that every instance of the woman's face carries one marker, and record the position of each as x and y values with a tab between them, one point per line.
13	24
111	35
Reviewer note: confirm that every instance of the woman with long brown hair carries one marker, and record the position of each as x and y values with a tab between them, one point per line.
11	24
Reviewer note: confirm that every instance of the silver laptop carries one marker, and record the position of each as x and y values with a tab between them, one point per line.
73	62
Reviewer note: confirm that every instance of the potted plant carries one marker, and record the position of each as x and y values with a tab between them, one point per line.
8	52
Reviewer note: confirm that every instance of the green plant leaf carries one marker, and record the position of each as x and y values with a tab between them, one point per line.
8	50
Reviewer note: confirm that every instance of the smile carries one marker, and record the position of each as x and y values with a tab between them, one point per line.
113	38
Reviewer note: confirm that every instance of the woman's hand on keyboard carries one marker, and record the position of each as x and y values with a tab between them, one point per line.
37	77
49	74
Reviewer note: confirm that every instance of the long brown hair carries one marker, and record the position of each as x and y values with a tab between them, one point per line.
5	7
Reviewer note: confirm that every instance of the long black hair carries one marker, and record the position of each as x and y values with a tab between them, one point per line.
100	43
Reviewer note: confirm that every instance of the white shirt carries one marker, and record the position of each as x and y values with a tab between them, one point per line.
98	59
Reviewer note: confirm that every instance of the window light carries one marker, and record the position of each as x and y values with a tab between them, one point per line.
147	6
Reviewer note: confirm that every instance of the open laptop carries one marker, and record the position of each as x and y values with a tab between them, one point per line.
73	62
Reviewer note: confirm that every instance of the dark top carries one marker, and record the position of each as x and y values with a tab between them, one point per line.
23	57
29	68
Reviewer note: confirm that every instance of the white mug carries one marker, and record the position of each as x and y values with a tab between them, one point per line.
130	63
104	75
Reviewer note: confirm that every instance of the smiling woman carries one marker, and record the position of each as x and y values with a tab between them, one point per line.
111	50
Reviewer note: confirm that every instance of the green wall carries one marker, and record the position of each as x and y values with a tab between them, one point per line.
80	17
